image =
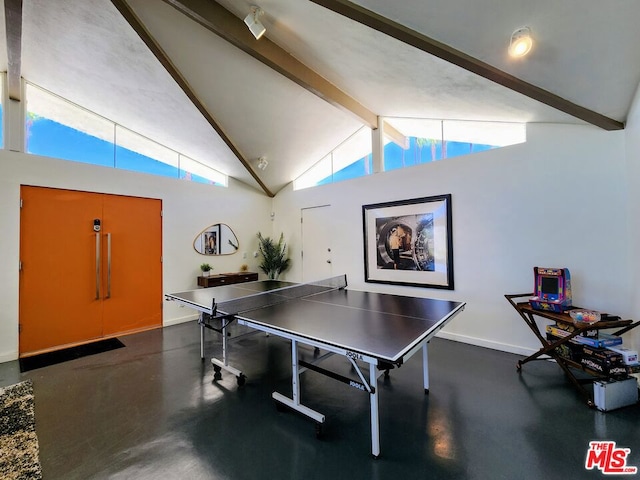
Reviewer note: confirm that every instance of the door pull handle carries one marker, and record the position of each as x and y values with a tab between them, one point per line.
97	266
108	295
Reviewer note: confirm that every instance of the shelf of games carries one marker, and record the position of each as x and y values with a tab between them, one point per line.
581	347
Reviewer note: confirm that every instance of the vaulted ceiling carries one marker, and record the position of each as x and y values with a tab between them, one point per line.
189	74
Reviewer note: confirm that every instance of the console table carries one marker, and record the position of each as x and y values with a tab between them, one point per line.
550	347
227	279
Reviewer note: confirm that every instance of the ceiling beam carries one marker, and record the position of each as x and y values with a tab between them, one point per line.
13	28
471	64
395	135
225	24
133	20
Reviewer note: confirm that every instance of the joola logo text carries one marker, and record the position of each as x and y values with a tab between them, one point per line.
354	355
609	459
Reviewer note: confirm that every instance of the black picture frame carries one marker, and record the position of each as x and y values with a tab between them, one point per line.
409	242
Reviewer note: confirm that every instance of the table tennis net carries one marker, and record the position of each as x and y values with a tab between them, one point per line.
274	297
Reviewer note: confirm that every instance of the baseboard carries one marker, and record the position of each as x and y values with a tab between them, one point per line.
8	356
479	342
179	320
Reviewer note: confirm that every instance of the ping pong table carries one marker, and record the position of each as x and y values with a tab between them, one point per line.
375	329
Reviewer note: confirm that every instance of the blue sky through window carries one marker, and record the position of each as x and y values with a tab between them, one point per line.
424	150
129	160
49	138
52	139
420	151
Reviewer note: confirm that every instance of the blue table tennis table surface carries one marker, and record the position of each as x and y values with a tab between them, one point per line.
380	325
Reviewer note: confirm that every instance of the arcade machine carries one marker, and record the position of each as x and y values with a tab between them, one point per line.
552	289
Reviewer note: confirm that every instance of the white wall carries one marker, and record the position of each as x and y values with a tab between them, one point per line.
559	200
187	209
632	146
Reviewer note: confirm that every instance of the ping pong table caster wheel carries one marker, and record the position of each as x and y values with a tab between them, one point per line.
241	380
217	376
318	430
519	366
590	404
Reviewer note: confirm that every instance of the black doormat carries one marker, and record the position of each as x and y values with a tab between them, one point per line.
59	356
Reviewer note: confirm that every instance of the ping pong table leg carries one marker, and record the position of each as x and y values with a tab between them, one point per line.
375	425
294	401
295	373
425	367
201	322
219	365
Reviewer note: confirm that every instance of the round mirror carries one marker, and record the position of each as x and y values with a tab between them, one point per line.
216	239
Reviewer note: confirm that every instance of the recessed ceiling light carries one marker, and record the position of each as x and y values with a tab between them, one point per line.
521	42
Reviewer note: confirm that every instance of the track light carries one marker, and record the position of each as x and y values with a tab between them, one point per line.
253	22
262	163
521	42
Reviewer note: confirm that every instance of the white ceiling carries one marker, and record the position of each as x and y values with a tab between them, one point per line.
586	51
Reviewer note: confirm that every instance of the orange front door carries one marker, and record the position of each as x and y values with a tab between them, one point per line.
71	290
133	227
60	302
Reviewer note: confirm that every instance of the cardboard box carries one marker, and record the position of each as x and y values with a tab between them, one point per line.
602	367
568	350
603	355
567	327
629	357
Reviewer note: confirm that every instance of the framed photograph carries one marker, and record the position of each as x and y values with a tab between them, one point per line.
409	242
208	241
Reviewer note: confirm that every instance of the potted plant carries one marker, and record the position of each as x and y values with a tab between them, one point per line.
274	256
206	268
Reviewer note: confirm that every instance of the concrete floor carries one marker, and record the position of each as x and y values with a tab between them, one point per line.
151	411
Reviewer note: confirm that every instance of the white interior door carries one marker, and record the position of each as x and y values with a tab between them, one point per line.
316	243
